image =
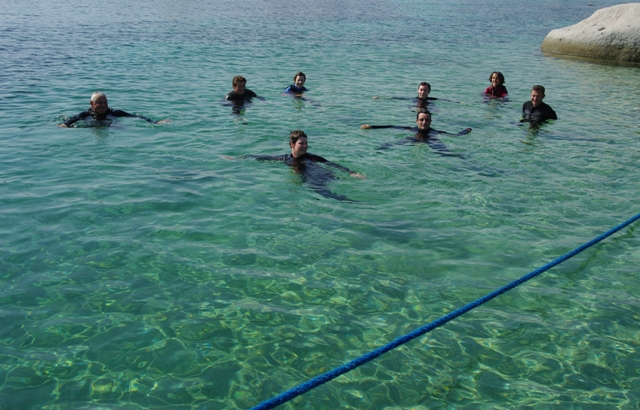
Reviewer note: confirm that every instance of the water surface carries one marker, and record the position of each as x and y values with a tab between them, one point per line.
141	268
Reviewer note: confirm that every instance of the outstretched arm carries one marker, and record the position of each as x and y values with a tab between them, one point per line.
373	127
120	113
463	132
74	119
395	144
266	157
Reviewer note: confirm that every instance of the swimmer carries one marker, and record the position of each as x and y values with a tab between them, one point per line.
497	88
535	111
306	164
424	134
422	101
298	84
102	115
240	92
297	89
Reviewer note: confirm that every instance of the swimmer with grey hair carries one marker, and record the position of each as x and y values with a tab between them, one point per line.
101	115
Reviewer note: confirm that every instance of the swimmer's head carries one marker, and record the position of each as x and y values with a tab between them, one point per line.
99	103
537	95
423	90
298	143
423	120
496	78
239	84
299	79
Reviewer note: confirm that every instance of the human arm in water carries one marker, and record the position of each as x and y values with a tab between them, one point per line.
115	113
373	127
431	139
318	158
120	113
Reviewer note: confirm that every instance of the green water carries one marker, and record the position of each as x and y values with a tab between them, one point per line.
151	267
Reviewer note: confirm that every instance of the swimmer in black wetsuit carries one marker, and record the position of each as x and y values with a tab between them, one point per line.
101	114
535	111
306	165
422	101
240	94
240	91
424	134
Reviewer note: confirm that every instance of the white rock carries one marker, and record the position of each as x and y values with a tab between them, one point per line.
611	34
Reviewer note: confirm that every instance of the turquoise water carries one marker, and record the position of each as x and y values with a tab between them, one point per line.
140	267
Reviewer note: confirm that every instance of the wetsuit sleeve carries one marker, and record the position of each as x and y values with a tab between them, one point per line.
266	157
552	114
391	126
75	118
318	158
395	144
120	113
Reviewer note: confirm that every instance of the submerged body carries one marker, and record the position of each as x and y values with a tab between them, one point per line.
424	134
105	119
307	165
101	115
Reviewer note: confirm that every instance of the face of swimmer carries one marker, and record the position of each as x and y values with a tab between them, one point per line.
100	105
300	147
423	121
495	80
299	82
536	97
240	87
423	91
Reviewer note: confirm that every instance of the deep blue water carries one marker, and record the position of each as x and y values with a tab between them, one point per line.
151	266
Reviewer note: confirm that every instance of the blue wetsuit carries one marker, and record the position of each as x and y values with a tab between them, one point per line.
295	90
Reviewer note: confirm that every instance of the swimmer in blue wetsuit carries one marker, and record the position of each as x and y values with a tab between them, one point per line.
298	84
424	134
297	89
306	164
101	114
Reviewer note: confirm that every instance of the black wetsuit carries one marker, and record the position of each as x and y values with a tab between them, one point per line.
312	174
424	103
538	114
430	137
105	120
246	96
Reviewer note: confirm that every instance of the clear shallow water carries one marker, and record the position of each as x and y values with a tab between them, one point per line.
141	269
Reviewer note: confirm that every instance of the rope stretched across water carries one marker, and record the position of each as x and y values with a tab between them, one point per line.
332	374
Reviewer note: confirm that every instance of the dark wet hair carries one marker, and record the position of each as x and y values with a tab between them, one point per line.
423	112
295	136
425	83
538	88
238	79
500	77
297	74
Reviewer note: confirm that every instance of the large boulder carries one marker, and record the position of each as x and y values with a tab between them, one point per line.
610	35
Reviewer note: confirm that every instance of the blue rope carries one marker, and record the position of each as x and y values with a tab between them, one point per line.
332	374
